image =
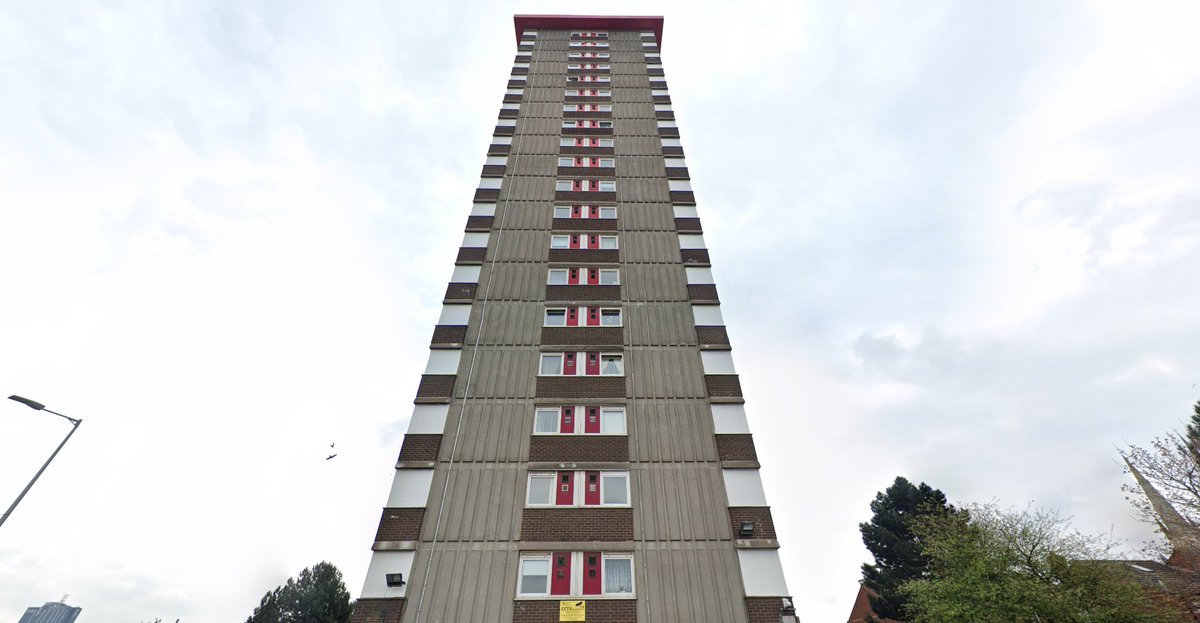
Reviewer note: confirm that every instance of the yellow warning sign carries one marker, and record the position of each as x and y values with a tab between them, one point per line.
572	610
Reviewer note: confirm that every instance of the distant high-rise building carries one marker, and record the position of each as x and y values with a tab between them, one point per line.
542	483
51	612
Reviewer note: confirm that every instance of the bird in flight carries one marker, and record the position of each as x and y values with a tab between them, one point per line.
332	455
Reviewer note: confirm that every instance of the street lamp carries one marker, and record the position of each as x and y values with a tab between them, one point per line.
37	406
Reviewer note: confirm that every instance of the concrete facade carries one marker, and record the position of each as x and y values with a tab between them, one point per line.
518	461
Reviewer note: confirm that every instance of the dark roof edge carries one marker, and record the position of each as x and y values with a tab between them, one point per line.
590	22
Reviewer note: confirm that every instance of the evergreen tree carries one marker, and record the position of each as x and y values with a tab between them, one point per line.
1193	433
318	595
890	538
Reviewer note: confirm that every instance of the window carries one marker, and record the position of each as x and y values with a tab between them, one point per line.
535	576
584	161
614	489
586	186
541	490
618	575
576	211
555	317
610	317
564	186
609	277
585	142
607	242
595	488
558	277
592	420
588	92
560	242
607	186
546	421
589	363
551	365
587	107
612	421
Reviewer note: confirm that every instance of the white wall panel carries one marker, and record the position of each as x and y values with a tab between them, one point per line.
428	419
762	573
717	362
708	315
410	488
744	487
483	209
691	241
465	274
698	275
679	184
443	361
730	419
475	239
383	563
686	212
491	183
455	314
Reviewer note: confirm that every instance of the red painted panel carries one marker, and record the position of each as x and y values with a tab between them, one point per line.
567	425
569	364
572	316
560	574
593	276
575	212
593	211
573	277
591	425
591	491
574	241
566	489
593	316
593	364
592	584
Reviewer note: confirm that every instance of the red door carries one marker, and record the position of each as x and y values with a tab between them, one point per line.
593	276
569	365
572	316
573	276
566	489
577	185
591	573
591	493
593	241
593	364
574	241
593	316
560	579
568	420
593	211
591	425
575	212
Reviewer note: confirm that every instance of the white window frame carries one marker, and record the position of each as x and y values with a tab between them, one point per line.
569	186
607	186
615	275
557	208
580	363
607	142
613	474
548	559
564	239
550	492
624	420
604	575
603	209
566	276
620	316
556	412
618	356
562	357
615	242
546	316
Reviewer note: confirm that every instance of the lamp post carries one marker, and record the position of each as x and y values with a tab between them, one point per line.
37	406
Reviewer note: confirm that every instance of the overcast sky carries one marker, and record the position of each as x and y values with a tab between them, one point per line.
957	241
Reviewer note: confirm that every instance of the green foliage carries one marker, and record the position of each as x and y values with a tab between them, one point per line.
890	538
1193	433
995	566
318	595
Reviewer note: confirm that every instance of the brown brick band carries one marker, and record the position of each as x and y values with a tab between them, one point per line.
577	524
599	256
583	293
582	336
447	334
422	448
598	611
471	255
436	386
585	224
580	387
400	524
736	447
480	223
723	385
688	225
760	516
582	448
378	610
705	293
461	291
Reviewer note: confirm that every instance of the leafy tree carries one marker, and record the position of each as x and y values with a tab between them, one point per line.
890	538
997	566
318	595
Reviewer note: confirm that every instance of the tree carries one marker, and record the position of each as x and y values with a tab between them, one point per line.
318	595
996	566
1172	464
889	537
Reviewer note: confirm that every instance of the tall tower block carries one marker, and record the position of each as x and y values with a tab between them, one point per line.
579	449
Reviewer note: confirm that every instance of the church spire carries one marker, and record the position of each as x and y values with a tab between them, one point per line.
1181	533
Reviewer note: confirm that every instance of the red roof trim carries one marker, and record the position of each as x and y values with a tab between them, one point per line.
589	22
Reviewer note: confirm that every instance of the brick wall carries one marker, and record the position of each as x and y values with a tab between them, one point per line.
763	609
712	335
702	293
577	524
723	385
736	448
400	524
581	387
585	224
582	336
480	223
760	516
598	611
461	291
584	448
583	293
436	385
688	224
449	334
471	255
694	256
610	256
377	611
420	448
